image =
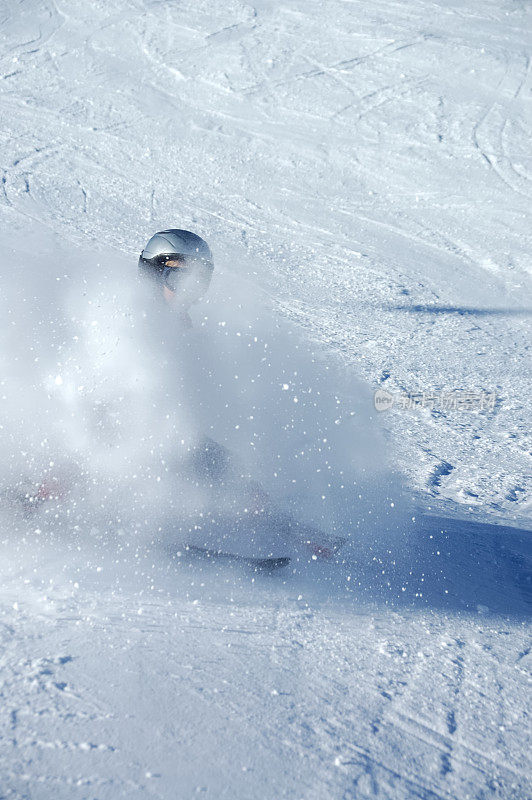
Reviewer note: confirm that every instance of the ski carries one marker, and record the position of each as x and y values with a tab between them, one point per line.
269	564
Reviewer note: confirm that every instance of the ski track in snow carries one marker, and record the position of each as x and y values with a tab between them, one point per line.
368	169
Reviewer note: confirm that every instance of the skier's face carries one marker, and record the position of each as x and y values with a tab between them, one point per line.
171	296
181	280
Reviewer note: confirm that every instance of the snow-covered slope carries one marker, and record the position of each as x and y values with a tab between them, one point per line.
363	175
123	676
369	166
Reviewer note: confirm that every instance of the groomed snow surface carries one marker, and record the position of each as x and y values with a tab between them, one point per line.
362	172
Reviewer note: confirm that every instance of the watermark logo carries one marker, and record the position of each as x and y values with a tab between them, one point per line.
383	400
456	400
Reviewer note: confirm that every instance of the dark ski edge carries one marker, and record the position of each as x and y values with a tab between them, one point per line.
257	564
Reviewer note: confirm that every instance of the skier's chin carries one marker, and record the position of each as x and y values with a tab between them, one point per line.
179	307
176	302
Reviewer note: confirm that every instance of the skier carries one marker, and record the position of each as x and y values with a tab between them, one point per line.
178	266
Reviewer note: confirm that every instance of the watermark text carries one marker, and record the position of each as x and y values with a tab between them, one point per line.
456	400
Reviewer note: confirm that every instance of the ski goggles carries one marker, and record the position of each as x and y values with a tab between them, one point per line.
169	261
178	272
174	270
171	269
